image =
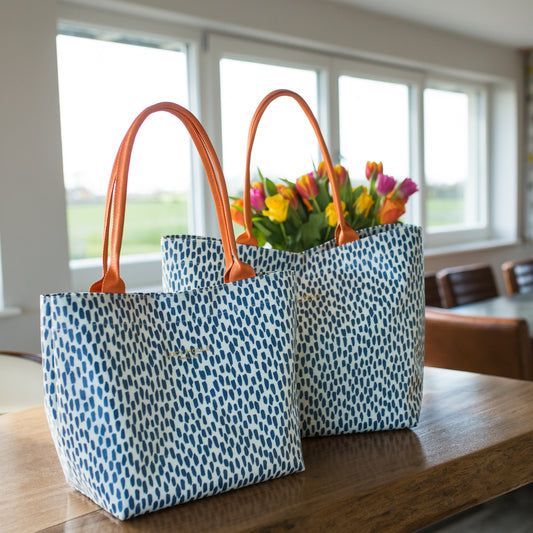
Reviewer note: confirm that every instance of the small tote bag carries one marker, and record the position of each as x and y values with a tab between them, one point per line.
156	399
360	311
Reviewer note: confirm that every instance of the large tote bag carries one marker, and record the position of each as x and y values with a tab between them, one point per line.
360	312
157	399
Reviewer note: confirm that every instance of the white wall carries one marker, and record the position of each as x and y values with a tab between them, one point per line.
34	255
34	250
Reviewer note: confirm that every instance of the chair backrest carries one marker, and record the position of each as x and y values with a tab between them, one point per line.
518	276
21	381
486	345
466	284
24	355
431	289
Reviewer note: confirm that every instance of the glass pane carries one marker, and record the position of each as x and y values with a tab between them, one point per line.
374	126
285	145
103	86
446	144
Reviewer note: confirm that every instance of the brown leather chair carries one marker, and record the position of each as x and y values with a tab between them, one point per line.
486	345
24	355
466	284
518	276
431	289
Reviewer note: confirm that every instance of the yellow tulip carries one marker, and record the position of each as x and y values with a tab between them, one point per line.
364	203
278	208
331	213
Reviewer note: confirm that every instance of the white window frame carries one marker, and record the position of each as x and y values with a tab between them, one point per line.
223	47
143	270
206	49
414	80
478	140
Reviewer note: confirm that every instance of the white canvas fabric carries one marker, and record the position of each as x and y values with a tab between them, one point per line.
158	399
359	326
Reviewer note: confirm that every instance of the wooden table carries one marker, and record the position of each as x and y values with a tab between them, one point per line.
515	306
474	442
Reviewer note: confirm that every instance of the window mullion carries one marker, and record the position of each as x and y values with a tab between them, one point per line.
196	213
328	105
416	156
210	115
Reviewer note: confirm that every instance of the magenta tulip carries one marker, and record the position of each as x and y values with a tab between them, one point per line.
385	184
407	188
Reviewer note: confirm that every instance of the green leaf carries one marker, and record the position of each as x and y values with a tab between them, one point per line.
357	192
294	218
302	212
312	229
261	239
346	193
270	187
323	198
260	227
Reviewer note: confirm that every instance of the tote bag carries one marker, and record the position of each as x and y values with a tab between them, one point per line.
155	399
360	311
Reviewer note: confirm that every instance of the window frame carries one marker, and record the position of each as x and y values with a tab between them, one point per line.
142	270
206	48
414	80
482	231
219	46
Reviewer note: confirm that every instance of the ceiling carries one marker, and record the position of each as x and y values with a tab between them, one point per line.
508	22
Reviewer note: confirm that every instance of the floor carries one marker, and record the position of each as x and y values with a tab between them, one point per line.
511	513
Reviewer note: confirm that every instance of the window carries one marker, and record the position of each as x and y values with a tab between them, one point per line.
431	130
374	125
105	80
454	190
285	145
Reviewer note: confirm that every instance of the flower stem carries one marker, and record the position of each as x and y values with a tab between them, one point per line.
315	204
282	226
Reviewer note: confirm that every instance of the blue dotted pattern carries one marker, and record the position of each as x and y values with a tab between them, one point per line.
158	399
360	322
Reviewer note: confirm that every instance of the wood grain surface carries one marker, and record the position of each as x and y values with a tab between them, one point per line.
474	442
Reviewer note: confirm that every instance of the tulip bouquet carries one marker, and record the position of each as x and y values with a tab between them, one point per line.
298	216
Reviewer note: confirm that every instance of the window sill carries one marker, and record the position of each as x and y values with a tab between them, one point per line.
471	247
8	312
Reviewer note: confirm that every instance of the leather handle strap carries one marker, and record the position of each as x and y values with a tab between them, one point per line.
343	232
117	191
110	195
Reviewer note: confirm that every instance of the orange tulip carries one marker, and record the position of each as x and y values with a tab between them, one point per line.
321	170
289	194
371	167
307	186
340	172
259	185
236	215
391	210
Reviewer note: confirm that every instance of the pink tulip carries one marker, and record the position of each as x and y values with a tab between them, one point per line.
385	184
257	199
407	188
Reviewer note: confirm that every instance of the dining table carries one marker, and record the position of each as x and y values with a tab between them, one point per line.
512	306
473	443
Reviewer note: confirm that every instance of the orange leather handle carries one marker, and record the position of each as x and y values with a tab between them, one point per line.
343	232
117	191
